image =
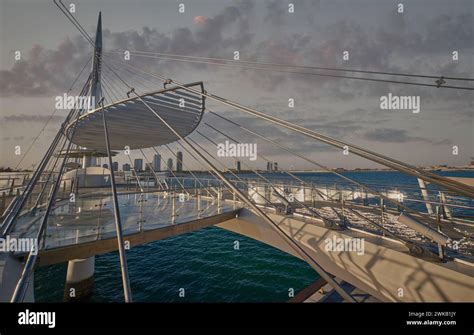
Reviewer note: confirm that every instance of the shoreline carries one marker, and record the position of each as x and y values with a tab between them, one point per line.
441	169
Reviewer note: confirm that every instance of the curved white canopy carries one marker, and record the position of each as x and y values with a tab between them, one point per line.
131	123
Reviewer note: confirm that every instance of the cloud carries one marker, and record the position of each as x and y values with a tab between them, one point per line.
43	71
32	118
278	14
199	19
295	142
447	32
443	142
228	29
15	138
391	136
383	47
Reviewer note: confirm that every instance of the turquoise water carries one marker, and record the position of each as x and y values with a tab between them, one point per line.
206	264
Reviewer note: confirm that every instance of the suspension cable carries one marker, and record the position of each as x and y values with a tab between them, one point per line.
177	57
256	209
171	171
395	164
279	195
318	74
228	170
322	217
189	170
51	116
328	169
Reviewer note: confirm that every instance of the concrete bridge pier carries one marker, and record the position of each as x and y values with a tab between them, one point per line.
79	279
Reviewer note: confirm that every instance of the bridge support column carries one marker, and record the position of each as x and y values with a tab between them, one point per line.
79	279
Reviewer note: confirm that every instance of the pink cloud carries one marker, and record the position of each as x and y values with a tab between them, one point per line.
199	19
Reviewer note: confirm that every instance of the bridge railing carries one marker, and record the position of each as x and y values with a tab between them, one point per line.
340	191
353	200
90	216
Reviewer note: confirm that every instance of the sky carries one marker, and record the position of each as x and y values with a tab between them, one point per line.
420	40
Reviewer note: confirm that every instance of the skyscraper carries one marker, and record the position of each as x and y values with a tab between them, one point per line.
157	163
170	164
179	161
275	166
138	164
269	166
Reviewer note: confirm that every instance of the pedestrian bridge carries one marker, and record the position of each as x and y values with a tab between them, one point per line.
408	254
86	227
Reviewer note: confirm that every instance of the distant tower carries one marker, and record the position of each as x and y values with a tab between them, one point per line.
170	164
179	161
269	166
157	163
95	88
275	166
239	168
138	164
126	167
80	272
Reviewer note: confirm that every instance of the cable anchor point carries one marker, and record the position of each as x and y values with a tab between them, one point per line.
440	82
167	82
132	90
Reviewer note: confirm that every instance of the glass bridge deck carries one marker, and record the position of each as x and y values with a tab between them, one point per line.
92	218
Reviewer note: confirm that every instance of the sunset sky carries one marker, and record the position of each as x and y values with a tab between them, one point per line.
420	40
